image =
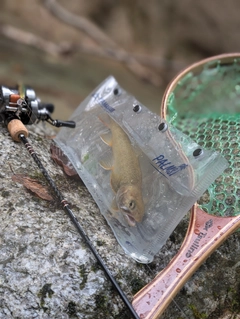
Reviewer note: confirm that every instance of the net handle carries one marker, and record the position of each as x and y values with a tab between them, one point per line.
205	234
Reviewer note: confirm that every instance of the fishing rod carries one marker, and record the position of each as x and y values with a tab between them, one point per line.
19	106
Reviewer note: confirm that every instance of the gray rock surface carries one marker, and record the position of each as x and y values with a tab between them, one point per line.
46	271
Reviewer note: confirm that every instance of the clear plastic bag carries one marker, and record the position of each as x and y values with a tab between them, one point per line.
143	173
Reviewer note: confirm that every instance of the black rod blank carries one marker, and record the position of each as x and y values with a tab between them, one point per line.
78	226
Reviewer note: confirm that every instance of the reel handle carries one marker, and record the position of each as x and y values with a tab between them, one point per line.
70	124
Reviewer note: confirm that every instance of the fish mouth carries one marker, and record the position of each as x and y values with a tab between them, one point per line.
130	219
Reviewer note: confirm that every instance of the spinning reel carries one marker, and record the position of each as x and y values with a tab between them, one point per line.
22	104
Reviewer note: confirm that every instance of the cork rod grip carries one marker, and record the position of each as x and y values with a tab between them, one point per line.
15	128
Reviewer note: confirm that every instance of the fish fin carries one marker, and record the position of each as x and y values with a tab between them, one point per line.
107	138
114	206
105	119
107	163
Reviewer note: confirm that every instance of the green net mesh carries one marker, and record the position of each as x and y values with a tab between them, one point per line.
206	106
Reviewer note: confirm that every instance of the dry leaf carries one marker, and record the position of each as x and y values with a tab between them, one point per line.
61	159
33	185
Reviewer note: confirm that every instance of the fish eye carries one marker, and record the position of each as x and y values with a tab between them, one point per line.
132	204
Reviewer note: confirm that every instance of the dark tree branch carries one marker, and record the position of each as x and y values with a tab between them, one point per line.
89	28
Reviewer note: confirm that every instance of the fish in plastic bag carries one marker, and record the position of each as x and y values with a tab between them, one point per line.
143	173
126	176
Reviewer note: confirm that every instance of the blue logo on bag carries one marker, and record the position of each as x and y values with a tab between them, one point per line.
165	166
102	102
